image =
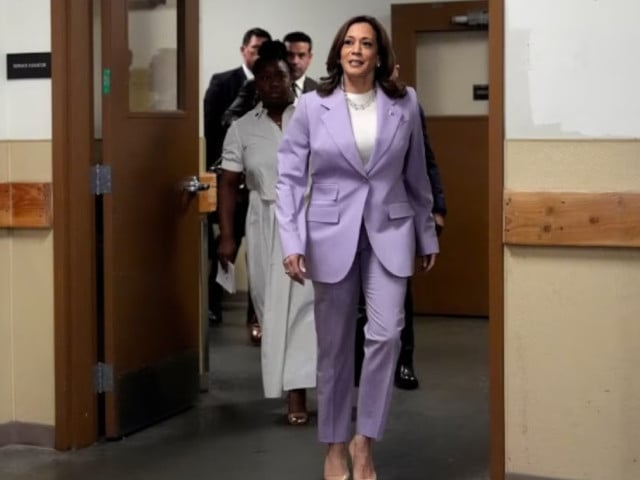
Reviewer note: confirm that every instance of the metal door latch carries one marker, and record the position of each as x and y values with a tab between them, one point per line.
193	185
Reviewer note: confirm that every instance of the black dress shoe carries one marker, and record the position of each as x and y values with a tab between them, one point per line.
213	318
405	378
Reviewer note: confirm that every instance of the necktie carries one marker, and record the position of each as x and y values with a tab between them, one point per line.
296	92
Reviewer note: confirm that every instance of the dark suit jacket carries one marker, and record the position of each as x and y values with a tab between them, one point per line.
439	204
223	89
246	100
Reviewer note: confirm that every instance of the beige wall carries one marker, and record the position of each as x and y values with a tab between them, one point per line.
26	299
572	330
440	59
572	334
6	354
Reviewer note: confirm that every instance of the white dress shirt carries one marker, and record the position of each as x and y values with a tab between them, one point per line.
247	73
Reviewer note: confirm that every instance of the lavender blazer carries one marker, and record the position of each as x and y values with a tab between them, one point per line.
391	194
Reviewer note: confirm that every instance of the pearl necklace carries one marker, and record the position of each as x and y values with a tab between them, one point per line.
364	105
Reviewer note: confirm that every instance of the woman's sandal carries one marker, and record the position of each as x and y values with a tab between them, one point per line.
255	334
298	416
297	419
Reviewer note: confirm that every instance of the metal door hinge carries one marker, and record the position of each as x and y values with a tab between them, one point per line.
100	179
102	378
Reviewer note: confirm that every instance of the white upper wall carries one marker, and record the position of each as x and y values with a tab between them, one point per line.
3	68
25	105
25	26
572	69
223	23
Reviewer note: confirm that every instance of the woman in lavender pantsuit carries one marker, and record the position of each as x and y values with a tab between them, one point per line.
358	141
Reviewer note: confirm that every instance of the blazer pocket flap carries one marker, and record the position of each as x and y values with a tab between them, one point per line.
400	210
324	192
323	215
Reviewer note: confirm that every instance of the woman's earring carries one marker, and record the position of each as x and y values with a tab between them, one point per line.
378	64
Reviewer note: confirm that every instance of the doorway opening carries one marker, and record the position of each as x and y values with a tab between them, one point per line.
76	305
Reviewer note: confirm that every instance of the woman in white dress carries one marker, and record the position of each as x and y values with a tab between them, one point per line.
284	307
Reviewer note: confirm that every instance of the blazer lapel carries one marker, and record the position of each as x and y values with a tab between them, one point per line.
241	77
338	122
389	119
309	85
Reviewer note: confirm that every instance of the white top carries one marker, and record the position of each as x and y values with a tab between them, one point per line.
364	121
251	145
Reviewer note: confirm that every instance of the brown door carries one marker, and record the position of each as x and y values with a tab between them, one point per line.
151	224
458	132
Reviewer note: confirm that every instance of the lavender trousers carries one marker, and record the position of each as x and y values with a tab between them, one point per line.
335	311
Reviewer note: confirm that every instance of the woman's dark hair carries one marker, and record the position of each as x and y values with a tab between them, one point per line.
383	73
270	51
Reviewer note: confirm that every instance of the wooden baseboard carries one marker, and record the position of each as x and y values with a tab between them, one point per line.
26	205
33	434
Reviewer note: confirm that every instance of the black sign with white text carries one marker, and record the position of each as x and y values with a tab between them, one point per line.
28	65
481	92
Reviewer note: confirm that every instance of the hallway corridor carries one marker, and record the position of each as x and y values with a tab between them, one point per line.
439	432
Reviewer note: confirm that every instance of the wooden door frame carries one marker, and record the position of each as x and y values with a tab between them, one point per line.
76	419
74	223
74	226
407	18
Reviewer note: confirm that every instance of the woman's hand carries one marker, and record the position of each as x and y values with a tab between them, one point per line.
428	261
294	266
226	251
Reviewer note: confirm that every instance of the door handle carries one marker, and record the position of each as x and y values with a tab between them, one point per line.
193	185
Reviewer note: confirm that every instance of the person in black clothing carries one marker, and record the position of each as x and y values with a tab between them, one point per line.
299	55
222	91
405	377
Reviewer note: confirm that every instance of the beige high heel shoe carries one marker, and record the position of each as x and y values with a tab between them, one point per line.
352	453
337	477
344	476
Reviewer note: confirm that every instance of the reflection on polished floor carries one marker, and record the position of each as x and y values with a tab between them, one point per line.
439	432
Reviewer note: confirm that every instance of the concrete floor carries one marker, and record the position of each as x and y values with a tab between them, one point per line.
439	432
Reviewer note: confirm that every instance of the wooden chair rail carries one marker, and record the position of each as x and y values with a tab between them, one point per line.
26	205
607	219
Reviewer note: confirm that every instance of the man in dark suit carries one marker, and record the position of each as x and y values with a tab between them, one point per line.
299	55
223	89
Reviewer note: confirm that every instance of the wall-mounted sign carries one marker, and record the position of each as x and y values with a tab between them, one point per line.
481	92
28	65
